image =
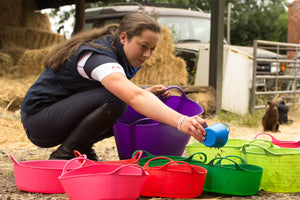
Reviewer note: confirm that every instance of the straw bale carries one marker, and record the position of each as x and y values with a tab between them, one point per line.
6	63
12	91
37	20
20	13
206	99
13	50
29	38
163	67
32	62
12	12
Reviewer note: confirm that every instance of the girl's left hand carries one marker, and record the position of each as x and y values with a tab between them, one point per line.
159	90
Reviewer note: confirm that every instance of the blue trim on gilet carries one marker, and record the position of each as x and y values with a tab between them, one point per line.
52	87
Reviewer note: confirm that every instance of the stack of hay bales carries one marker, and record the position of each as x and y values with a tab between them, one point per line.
6	62
32	62
22	29
163	67
25	39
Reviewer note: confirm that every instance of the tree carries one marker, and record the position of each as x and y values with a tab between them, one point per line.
263	20
250	19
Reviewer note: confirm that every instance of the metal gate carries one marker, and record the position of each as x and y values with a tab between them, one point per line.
275	76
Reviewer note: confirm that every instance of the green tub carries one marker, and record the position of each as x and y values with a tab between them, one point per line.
197	158
234	179
232	147
281	166
221	177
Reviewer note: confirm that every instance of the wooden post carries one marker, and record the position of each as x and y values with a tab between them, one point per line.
79	16
216	50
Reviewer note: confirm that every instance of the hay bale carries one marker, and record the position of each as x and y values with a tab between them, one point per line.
37	21
206	99
21	13
12	92
163	67
32	62
12	12
28	38
14	51
6	63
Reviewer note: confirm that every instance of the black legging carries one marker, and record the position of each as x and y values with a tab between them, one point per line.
53	124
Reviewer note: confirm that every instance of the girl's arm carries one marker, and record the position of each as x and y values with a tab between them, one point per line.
149	105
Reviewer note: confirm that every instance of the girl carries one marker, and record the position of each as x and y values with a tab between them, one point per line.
86	87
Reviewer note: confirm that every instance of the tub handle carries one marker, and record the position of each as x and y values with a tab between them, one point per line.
192	156
266	151
81	159
140	153
182	92
146	165
219	160
234	156
263	133
193	170
141	120
14	160
267	141
118	170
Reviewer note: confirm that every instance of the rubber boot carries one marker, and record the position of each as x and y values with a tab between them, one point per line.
86	134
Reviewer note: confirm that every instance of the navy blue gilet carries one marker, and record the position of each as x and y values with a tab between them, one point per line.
52	87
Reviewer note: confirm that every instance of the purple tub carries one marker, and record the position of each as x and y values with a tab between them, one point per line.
134	131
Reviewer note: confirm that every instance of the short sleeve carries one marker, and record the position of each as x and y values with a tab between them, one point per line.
97	66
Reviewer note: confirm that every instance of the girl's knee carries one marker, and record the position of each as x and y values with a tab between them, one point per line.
118	107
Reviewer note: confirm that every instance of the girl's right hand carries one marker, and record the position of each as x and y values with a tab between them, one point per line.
194	126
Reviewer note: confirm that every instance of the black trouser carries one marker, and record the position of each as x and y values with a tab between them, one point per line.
54	124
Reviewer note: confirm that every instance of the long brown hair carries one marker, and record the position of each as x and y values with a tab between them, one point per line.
133	24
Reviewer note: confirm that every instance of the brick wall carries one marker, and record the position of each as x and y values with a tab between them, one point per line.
293	25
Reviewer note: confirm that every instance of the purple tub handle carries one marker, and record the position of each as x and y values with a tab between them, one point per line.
176	87
141	120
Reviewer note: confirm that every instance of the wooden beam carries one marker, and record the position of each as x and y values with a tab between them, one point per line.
42	4
216	50
79	16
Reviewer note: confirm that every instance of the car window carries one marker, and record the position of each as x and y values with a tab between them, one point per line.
187	28
95	23
183	27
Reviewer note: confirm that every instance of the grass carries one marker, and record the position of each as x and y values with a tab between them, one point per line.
247	120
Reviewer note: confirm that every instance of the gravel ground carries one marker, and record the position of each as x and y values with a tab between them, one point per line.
13	141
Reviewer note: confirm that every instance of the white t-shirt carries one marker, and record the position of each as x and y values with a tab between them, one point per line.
97	66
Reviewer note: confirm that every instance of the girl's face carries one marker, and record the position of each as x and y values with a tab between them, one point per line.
139	48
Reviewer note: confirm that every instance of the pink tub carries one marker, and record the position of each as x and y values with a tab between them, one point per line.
286	144
40	176
103	181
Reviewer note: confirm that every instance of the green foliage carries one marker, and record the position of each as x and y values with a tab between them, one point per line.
263	20
250	19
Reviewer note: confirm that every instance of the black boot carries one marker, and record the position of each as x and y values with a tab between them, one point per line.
91	154
86	134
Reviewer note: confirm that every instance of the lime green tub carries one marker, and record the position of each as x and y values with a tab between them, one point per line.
281	166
